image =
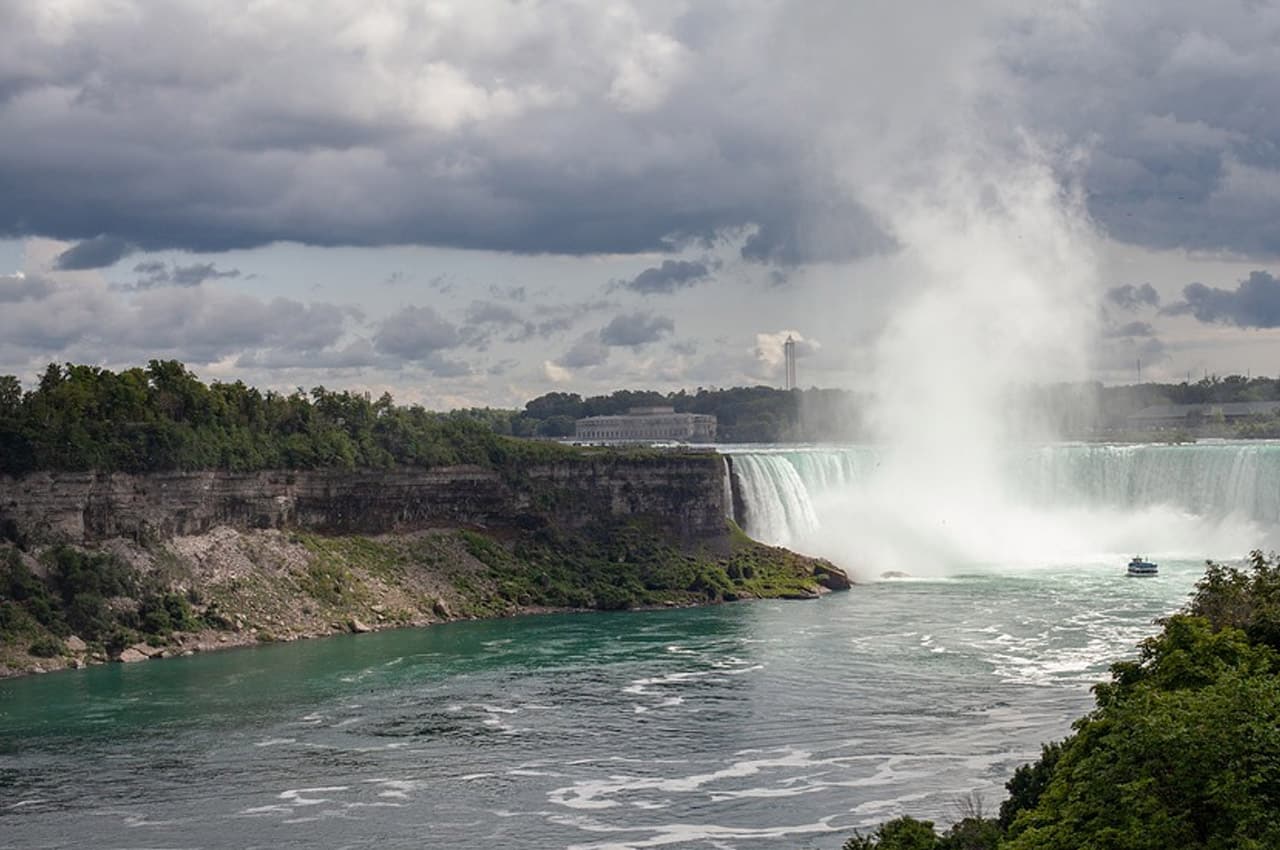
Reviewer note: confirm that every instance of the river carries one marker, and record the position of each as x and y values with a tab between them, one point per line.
751	725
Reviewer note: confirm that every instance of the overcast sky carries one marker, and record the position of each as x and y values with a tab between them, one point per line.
478	202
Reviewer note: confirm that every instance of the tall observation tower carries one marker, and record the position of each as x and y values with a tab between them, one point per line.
789	354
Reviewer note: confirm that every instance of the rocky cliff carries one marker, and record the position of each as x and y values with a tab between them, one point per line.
683	494
112	565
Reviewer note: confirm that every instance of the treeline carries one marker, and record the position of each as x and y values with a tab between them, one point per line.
769	415
743	414
1212	389
1182	750
163	418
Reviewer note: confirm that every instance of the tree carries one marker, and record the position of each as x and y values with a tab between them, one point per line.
904	833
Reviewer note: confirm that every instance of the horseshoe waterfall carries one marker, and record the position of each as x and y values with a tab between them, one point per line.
1044	505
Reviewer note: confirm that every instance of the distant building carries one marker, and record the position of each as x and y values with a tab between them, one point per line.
646	425
1193	415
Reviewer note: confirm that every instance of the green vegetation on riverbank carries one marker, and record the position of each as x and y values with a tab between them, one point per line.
95	596
78	604
1182	750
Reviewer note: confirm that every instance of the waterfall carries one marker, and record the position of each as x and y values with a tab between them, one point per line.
728	490
783	490
775	498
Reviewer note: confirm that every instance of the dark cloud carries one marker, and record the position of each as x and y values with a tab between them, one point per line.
489	312
416	333
635	329
582	132
589	350
150	268
1130	297
552	319
92	253
21	287
1255	303
157	274
1182	149
198	273
668	277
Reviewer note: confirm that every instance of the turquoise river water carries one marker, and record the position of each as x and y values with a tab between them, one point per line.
751	725
760	724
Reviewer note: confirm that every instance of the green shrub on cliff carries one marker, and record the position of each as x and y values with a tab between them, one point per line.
79	595
46	647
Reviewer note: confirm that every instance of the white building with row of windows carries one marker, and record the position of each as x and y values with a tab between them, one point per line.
646	425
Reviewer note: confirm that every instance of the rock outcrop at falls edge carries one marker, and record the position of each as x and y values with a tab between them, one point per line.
201	560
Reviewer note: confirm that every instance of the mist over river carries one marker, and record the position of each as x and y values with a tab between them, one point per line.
750	725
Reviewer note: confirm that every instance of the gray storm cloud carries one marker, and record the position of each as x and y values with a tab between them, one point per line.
669	277
414	333
1254	303
154	274
568	130
1130	297
634	329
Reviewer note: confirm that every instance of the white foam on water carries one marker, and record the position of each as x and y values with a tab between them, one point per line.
664	835
598	793
300	796
275	742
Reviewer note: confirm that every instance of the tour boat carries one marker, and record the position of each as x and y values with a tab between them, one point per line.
1140	567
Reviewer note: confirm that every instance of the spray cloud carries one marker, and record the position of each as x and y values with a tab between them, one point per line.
993	288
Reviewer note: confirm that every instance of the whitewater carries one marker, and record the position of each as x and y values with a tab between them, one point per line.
1037	505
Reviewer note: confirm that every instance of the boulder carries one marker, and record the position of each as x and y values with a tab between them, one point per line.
75	644
148	650
831	577
130	655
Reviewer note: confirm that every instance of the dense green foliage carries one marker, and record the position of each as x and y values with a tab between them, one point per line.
629	565
1182	750
743	414
163	418
90	595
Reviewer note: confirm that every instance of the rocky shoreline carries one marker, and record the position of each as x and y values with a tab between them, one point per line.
249	587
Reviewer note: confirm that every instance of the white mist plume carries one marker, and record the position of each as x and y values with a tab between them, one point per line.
1000	260
995	284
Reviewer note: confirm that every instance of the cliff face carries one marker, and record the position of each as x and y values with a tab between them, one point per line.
684	494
